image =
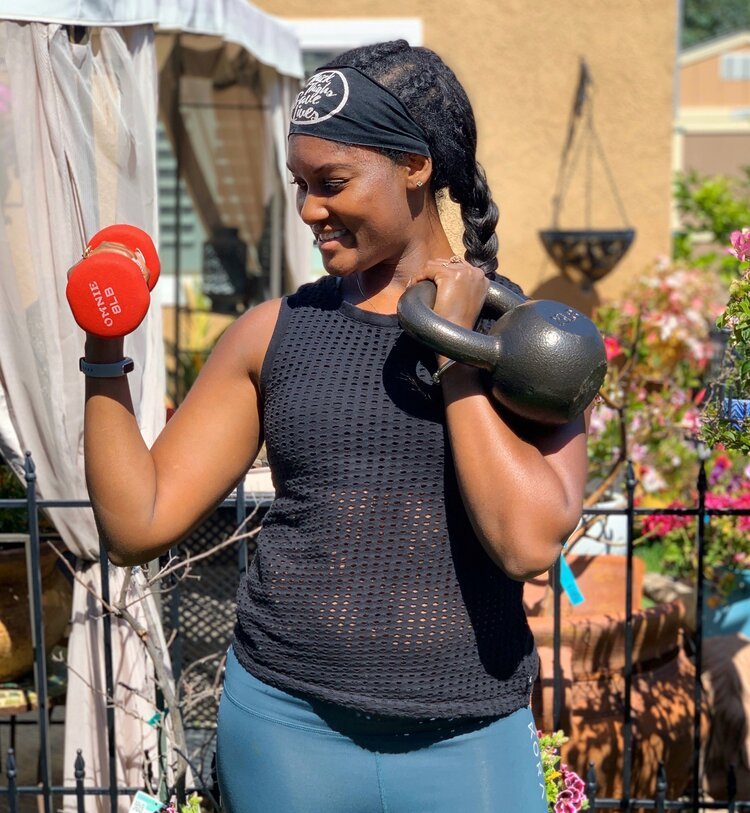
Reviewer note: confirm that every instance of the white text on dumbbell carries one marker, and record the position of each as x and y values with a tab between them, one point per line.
106	302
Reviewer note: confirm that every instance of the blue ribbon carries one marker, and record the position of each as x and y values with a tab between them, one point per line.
569	584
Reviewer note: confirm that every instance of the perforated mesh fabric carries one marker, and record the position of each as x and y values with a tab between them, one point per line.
369	587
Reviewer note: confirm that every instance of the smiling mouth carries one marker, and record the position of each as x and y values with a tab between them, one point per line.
326	237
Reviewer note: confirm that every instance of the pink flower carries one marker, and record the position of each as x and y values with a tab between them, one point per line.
572	796
691	421
638	452
740	244
573	782
651	480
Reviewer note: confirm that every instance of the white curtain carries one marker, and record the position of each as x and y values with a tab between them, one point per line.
298	241
77	152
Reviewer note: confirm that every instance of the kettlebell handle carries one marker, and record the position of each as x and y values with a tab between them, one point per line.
417	318
546	361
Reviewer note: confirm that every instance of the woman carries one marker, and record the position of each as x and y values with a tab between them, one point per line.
381	659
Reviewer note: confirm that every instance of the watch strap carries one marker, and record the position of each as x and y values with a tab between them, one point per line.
112	369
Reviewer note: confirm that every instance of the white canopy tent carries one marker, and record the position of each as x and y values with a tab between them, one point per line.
78	151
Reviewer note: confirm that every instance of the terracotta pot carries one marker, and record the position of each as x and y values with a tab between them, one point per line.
592	660
601	580
16	649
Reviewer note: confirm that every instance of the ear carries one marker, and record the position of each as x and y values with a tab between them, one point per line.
418	171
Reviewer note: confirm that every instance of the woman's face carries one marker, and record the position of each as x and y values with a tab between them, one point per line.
355	201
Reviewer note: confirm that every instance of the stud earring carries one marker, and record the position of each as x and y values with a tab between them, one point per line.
419	183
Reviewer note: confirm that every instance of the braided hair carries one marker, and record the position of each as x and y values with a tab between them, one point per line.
436	100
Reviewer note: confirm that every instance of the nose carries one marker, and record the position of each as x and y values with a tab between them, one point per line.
311	207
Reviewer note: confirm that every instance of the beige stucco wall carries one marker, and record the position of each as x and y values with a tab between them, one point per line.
519	63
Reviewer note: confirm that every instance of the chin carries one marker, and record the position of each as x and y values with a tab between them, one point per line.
339	267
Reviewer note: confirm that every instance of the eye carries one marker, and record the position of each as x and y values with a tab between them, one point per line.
298	182
333	184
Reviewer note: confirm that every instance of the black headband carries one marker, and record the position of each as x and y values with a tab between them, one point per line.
342	104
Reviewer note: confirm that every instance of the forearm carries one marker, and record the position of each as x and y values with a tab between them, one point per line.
521	508
120	471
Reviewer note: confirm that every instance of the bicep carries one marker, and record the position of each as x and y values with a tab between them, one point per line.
564	449
214	436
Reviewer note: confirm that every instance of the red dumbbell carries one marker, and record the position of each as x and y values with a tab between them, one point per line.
106	290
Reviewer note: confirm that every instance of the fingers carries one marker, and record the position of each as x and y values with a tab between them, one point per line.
444	268
118	248
461	289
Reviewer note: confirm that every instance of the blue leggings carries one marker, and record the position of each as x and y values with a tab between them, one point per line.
283	753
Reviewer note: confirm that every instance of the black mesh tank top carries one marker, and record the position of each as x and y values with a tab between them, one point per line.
369	587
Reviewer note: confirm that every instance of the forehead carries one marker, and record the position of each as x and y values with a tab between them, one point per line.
311	154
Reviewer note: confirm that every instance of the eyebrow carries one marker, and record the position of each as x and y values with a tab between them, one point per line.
326	167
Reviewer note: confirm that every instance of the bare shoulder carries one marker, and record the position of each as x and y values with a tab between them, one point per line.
246	341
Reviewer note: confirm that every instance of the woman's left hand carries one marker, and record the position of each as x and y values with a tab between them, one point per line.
461	289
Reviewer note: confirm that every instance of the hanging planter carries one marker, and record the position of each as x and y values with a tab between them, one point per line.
584	255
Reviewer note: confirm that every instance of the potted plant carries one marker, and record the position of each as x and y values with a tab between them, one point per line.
16	650
565	790
726	563
726	418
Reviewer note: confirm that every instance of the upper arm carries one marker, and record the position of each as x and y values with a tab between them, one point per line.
564	448
214	436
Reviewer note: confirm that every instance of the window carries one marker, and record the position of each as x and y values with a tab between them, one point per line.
191	231
735	66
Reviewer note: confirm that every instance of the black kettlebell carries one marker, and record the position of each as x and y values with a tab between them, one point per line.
545	360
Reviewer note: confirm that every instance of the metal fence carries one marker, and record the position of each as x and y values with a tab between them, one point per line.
236	511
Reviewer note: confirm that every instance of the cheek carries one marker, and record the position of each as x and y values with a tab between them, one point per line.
383	216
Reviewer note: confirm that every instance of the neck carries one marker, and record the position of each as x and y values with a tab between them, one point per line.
382	285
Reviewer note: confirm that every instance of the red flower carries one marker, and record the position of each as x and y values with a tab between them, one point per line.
612	347
661	525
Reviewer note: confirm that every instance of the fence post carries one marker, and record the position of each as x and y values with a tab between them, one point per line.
215	791
79	771
697	696
627	715
10	770
661	789
109	678
731	789
591	786
556	634
36	590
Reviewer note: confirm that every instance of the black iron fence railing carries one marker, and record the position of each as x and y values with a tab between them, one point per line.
237	509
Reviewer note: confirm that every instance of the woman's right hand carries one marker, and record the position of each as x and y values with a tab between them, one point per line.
117	248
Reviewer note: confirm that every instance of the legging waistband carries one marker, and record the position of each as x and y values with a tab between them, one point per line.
303	711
